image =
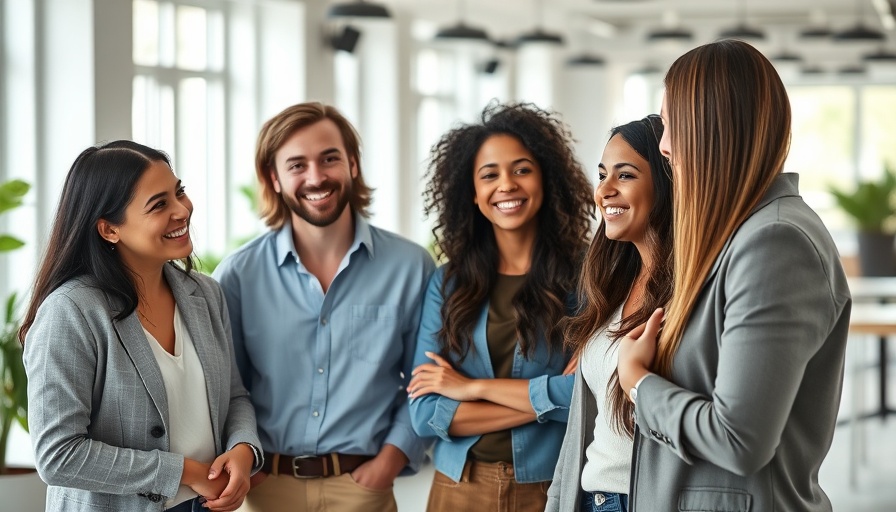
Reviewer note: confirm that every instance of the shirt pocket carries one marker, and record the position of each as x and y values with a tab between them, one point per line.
375	336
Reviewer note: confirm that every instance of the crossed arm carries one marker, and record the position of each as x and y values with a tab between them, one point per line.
487	405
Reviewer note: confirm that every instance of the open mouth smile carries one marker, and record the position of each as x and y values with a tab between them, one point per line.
177	233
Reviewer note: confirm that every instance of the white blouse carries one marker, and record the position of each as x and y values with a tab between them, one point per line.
608	457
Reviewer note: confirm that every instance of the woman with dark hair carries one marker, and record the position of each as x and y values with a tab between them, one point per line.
736	399
134	403
627	274
492	381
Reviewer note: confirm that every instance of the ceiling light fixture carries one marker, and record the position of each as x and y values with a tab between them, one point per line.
585	59
851	70
881	56
461	31
786	56
813	70
671	29
358	9
742	30
860	32
670	34
816	33
539	35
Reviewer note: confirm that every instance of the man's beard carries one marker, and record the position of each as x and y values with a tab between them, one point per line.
313	216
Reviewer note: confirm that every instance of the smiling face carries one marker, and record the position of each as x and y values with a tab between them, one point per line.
156	221
624	194
314	174
507	183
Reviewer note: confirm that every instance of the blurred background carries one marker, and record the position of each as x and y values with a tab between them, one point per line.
197	78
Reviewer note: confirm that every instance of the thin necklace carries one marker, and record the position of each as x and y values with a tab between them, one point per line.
145	317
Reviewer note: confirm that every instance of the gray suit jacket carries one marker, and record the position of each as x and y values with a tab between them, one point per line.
98	411
566	486
750	411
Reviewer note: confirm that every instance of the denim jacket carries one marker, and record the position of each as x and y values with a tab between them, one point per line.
536	445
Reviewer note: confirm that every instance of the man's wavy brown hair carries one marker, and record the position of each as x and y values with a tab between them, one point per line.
465	239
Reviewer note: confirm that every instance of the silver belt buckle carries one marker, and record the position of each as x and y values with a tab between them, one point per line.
296	464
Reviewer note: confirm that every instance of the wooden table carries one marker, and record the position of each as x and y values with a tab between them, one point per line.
875	290
876	320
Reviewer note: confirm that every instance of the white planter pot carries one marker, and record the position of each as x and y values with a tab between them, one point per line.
23	493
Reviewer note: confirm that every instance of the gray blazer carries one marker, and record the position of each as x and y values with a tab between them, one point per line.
98	411
563	494
750	411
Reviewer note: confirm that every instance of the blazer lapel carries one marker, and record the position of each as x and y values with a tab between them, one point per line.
133	339
194	312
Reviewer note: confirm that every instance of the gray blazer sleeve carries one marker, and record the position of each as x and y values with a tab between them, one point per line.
239	426
563	494
61	357
770	308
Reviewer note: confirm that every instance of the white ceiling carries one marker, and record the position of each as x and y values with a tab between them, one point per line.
584	24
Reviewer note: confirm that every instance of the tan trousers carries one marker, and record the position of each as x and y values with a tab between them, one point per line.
486	487
285	493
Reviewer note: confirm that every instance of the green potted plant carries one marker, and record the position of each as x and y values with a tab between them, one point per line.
13	392
871	206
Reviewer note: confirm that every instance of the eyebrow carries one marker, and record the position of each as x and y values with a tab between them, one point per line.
161	194
512	164
326	152
620	165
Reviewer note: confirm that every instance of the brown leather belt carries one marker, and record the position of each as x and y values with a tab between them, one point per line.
312	466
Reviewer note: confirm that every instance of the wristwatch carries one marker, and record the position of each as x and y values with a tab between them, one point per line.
633	393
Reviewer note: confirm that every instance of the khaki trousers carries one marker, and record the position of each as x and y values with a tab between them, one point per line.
486	487
285	493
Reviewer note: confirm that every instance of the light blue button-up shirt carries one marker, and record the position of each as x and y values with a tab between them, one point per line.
327	371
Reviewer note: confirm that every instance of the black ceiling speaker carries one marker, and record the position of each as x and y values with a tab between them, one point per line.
346	39
490	66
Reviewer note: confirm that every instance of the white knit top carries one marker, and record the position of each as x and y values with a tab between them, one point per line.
189	417
608	457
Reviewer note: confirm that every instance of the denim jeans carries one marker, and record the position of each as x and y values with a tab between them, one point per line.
604	502
193	505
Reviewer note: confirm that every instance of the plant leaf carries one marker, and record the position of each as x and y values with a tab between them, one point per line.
9	243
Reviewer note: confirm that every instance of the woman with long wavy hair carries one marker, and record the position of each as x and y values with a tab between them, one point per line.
737	402
492	381
627	274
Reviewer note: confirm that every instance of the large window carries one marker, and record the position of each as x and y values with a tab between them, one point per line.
179	101
840	133
207	74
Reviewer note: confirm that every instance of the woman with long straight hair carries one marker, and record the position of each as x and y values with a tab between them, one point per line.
737	402
134	401
627	274
492	381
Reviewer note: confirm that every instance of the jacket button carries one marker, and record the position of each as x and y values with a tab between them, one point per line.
157	431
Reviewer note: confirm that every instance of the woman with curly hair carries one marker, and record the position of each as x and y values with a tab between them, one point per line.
492	381
627	274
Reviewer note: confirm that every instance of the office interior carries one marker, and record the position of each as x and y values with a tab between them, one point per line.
197	78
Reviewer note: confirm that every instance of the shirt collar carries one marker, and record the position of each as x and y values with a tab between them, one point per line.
285	246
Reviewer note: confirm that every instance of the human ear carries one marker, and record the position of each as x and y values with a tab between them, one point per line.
107	231
274	181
